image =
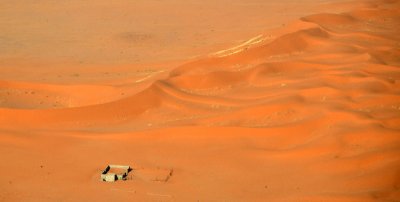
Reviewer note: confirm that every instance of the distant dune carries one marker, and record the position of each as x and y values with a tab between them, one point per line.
307	112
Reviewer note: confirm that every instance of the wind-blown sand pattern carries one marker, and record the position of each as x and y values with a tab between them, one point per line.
306	112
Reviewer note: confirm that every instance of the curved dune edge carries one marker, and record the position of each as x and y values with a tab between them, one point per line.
311	115
353	55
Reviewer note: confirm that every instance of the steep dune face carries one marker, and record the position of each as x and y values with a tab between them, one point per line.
336	59
310	115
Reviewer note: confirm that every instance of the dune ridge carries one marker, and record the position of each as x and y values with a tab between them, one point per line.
324	52
310	115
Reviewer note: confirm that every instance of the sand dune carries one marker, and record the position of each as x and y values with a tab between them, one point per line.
307	112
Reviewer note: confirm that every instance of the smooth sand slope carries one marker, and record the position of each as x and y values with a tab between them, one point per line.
95	33
306	112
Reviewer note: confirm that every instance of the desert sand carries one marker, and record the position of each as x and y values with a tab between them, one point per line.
205	100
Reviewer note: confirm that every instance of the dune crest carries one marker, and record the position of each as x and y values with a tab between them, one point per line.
309	114
323	54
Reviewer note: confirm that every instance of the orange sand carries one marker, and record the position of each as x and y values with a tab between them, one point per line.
308	111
